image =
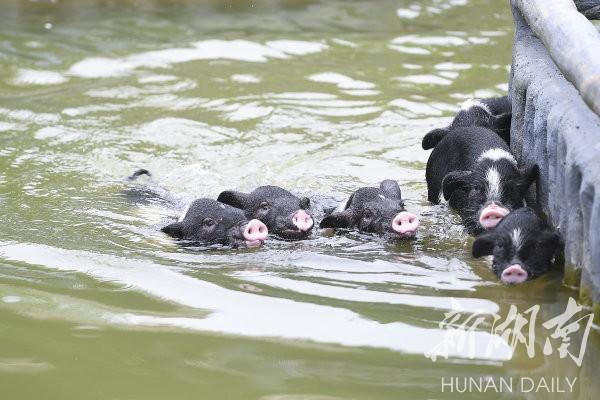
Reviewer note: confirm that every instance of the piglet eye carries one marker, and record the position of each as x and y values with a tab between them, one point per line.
264	206
208	222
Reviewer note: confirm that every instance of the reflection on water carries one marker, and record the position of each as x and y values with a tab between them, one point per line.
242	313
317	96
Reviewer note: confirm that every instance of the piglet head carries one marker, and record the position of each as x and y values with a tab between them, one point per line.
489	193
518	256
376	210
206	221
388	218
283	213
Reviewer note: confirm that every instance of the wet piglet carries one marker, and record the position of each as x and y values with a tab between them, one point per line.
493	113
375	210
207	221
477	174
523	247
285	215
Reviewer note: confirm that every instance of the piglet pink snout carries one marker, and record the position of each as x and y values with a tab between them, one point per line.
302	220
514	274
405	223
491	215
255	233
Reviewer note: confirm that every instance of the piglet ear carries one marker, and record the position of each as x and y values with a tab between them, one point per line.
528	175
336	219
433	137
548	242
174	230
455	180
391	189
233	198
483	245
304	203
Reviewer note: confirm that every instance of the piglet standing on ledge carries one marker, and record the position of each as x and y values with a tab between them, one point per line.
375	210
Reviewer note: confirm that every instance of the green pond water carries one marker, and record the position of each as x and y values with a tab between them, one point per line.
319	96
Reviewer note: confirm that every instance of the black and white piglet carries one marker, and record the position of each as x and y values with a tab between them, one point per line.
523	247
284	214
493	113
477	174
207	221
375	210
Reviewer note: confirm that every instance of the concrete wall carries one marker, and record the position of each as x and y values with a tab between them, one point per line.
553	127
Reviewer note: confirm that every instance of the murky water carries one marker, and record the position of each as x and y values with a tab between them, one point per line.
317	96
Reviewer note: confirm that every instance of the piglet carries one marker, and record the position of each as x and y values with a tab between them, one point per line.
283	213
207	221
477	174
375	210
493	113
523	247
